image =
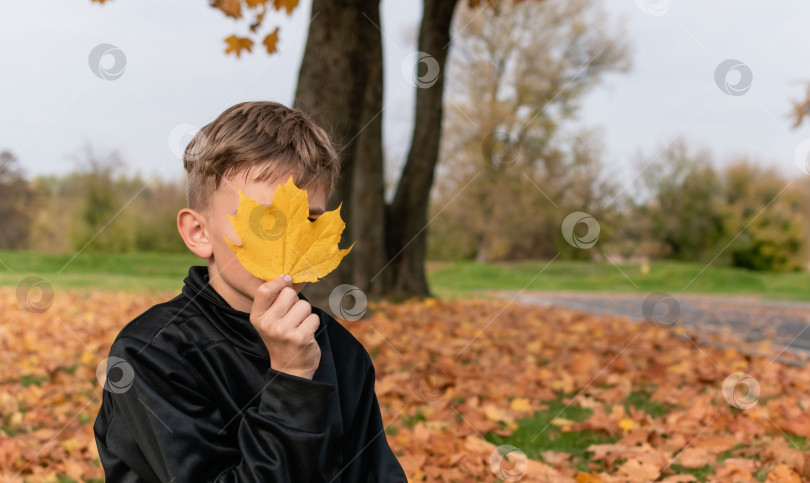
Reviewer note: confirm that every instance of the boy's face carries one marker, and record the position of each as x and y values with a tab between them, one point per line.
227	275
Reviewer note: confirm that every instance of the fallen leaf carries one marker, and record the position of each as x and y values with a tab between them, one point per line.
695	457
521	405
636	470
679	479
784	474
736	469
562	422
495	414
626	425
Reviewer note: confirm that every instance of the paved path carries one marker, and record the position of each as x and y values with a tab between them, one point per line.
742	321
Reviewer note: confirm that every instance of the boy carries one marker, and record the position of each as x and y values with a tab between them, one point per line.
236	379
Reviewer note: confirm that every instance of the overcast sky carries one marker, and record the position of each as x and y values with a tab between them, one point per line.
177	76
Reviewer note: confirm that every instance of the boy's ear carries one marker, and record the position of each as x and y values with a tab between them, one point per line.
193	227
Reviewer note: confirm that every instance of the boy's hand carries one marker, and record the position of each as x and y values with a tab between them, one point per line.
287	327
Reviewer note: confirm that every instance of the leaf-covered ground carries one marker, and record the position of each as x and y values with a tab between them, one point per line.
460	384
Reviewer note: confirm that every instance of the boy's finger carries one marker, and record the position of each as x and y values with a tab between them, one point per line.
267	293
293	315
310	325
285	300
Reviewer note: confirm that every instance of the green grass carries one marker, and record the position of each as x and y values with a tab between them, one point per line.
32	380
459	279
641	401
798	442
700	474
106	271
165	271
536	434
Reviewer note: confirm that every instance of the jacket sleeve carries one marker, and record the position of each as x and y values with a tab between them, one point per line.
159	422
369	443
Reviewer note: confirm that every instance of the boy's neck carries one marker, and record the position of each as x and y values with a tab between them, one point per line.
230	294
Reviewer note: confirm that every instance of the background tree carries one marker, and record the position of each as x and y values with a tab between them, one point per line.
100	202
98	207
744	213
680	196
767	216
17	203
340	83
512	164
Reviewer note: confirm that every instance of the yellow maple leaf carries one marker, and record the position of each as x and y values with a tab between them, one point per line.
279	239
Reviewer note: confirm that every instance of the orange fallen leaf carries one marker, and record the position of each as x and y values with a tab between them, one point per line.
784	474
695	457
495	414
636	470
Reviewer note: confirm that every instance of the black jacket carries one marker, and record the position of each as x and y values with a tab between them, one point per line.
190	396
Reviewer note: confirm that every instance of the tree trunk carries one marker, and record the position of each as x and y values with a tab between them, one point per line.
340	85
406	234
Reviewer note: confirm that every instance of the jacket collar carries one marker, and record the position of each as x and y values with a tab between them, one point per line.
234	324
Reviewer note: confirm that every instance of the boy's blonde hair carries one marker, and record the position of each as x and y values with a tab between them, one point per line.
268	135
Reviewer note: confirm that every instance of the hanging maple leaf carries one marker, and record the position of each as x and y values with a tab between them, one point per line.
271	40
278	239
288	5
231	8
237	44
